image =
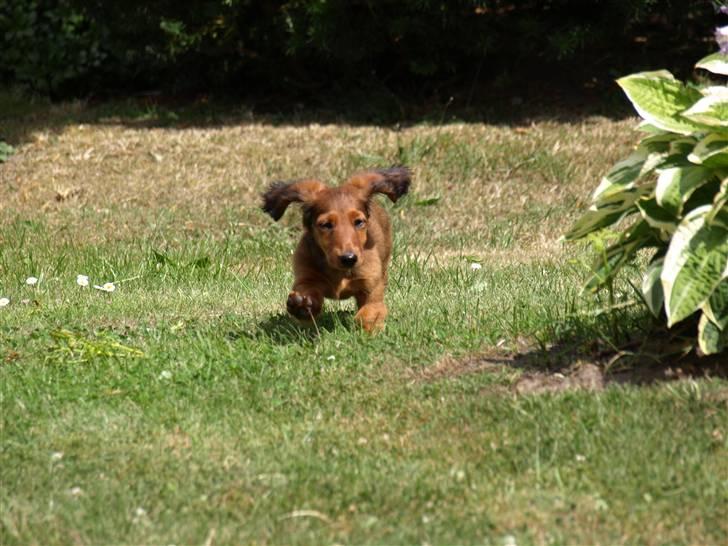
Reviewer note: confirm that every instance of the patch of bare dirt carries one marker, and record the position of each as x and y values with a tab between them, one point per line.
584	376
450	367
536	371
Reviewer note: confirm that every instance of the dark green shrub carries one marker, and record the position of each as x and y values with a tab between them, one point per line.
80	46
46	44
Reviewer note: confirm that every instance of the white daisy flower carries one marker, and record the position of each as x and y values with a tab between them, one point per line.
31	281
108	287
4	302
82	280
140	515
475	266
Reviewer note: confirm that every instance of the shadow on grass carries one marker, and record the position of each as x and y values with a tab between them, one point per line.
574	362
21	116
281	329
639	362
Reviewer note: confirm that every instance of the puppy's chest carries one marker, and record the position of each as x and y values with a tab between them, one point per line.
357	281
346	287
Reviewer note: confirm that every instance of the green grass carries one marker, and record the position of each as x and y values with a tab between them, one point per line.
186	408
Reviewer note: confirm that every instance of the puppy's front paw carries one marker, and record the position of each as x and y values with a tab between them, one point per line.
303	306
371	317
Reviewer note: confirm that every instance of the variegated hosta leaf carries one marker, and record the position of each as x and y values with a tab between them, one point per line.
622	176
647	127
717	63
696	261
651	153
682	146
594	220
607	212
711	110
711	339
660	152
652	287
609	264
675	185
718	215
716	308
656	216
659	144
660	99
719	211
711	151
714	90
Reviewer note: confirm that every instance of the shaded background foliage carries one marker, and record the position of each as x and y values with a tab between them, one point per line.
303	48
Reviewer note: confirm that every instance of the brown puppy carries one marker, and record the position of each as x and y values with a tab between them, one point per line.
347	241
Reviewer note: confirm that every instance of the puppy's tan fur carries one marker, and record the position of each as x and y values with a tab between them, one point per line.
347	241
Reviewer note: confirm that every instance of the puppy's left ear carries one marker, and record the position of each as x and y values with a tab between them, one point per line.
393	182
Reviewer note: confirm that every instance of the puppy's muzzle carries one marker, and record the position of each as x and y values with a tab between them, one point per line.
348	259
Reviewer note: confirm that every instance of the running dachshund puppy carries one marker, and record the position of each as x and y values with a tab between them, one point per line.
346	244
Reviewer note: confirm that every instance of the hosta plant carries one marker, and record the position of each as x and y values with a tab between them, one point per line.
670	196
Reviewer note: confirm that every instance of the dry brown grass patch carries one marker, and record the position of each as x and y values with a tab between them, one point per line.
127	175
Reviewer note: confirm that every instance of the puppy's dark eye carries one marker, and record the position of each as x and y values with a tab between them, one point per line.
326	225
359	223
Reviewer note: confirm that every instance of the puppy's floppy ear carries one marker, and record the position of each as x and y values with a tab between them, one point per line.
281	194
393	182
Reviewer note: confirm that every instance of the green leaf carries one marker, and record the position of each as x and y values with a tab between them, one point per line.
696	261
719	211
161	258
652	287
427	202
647	127
682	146
717	63
675	185
711	151
6	150
607	212
594	220
621	176
711	110
659	98
651	153
719	217
656	216
616	256
659	144
716	308
711	339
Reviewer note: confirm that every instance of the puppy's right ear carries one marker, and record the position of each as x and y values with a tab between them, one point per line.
282	194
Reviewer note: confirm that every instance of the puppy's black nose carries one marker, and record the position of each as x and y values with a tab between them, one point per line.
348	259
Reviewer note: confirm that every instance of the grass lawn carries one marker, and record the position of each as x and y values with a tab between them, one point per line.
186	408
